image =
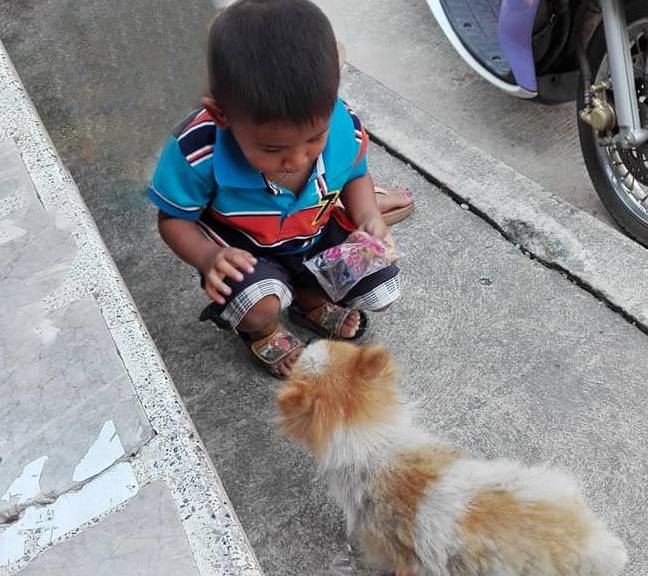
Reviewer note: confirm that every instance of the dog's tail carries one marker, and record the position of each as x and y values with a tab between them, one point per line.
605	553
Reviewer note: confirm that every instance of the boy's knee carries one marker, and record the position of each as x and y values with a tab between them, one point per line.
262	314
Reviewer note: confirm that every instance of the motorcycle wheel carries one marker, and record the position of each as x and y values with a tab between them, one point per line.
620	176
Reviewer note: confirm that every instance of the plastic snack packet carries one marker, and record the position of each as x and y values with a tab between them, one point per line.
340	268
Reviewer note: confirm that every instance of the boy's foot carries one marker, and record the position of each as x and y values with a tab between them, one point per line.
277	352
331	321
395	204
350	325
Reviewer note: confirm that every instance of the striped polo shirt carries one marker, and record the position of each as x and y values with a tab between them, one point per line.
203	176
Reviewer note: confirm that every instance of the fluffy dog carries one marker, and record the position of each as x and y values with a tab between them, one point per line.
419	507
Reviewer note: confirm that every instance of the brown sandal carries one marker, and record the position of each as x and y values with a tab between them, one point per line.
327	321
271	350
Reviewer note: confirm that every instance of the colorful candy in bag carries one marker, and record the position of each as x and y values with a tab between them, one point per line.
341	267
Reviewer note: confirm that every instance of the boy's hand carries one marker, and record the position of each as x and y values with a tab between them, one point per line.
221	263
378	229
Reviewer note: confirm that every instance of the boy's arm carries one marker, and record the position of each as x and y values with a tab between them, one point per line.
358	195
185	239
359	199
214	262
181	191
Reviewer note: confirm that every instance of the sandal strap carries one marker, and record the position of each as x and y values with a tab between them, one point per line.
330	316
272	349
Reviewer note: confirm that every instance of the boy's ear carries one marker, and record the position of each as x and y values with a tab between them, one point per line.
215	112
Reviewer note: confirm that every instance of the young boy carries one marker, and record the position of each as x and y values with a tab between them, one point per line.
247	186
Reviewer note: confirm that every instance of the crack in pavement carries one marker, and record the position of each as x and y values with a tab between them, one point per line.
514	232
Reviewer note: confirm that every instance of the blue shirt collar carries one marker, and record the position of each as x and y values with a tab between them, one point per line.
231	168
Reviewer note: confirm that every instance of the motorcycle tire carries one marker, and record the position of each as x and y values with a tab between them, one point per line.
628	216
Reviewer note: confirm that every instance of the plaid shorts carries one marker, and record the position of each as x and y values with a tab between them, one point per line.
278	275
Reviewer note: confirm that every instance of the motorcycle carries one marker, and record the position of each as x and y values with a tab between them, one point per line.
555	51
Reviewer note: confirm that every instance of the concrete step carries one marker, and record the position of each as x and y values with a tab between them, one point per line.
595	255
69	410
101	470
145	538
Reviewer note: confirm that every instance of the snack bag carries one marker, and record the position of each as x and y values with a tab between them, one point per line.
341	267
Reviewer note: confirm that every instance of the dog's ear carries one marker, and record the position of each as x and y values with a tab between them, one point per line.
373	362
296	402
296	396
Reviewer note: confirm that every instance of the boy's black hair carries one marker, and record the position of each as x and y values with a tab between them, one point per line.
273	60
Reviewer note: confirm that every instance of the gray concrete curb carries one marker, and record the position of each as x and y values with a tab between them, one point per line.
175	455
594	255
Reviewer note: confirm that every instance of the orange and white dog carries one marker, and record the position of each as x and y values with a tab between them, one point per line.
418	507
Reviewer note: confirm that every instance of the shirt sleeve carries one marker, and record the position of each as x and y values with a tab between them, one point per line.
176	187
362	139
360	169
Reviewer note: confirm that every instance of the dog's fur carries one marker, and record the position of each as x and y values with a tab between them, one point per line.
419	507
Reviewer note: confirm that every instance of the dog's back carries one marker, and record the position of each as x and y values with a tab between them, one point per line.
436	512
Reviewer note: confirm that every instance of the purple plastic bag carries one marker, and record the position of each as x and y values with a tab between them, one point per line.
341	267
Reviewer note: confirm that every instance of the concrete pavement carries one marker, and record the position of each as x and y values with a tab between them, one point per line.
504	355
598	257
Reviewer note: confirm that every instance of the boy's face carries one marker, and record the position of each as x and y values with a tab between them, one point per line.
280	149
